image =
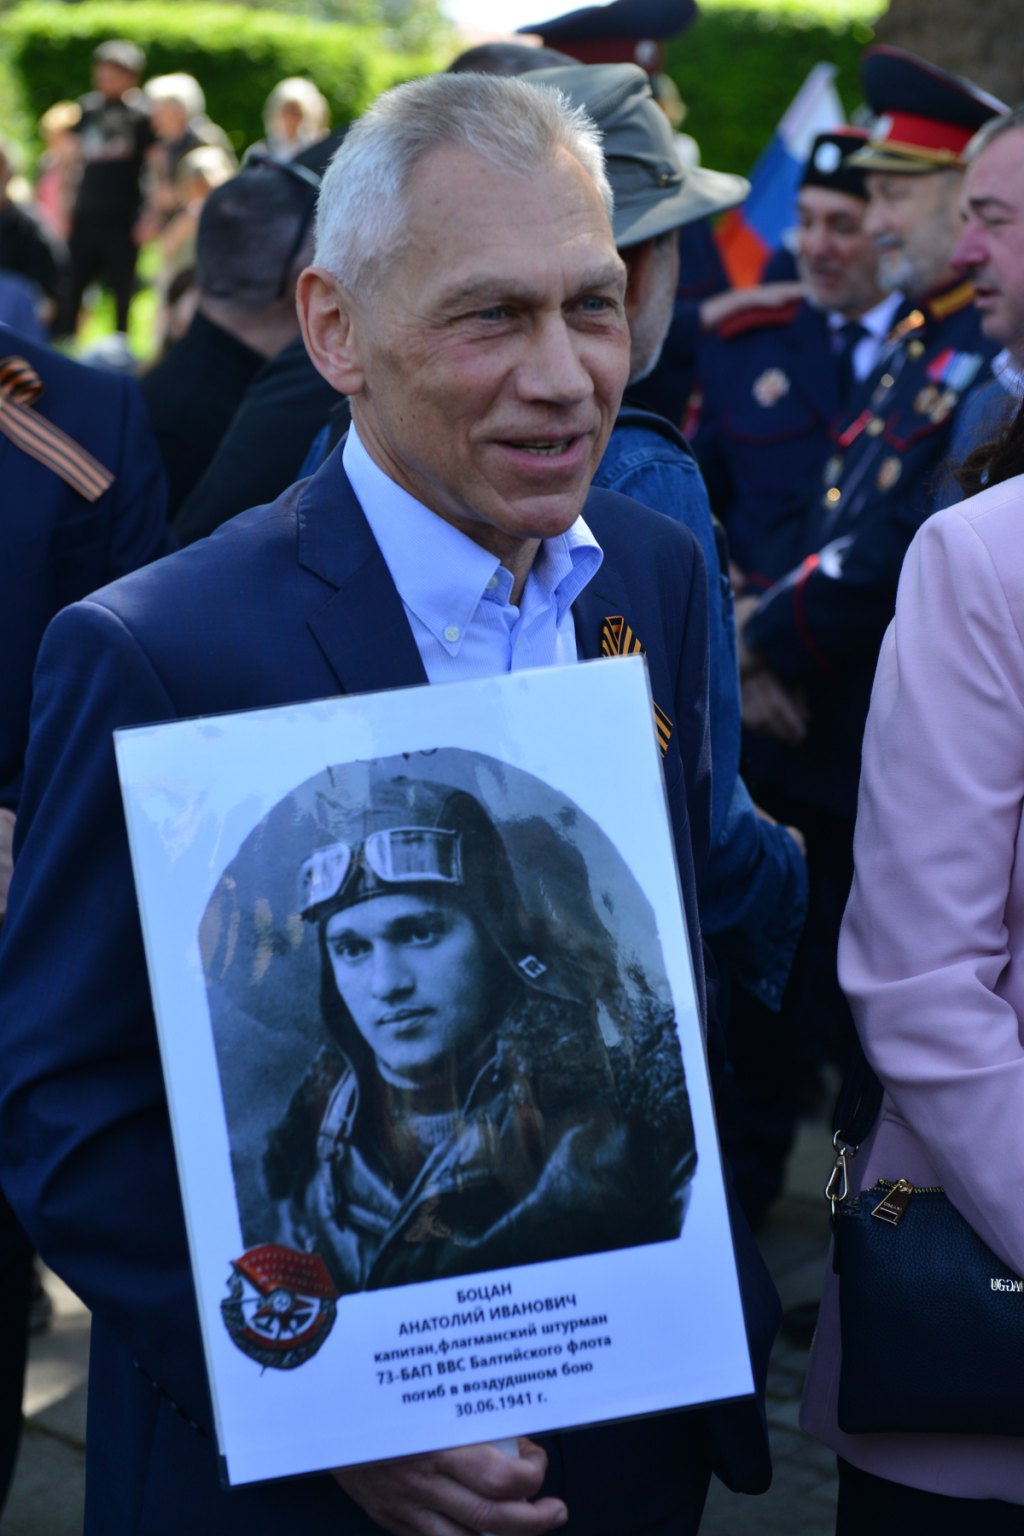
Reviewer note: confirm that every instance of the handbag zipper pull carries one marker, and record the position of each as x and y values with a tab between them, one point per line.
893	1205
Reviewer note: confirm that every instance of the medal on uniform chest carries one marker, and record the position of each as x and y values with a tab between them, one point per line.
943	405
889	473
770	387
955	371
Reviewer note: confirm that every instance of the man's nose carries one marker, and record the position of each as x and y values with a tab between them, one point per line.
553	369
812	241
874	219
392	976
969	250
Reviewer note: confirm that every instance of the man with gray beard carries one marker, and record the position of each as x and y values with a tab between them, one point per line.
817	630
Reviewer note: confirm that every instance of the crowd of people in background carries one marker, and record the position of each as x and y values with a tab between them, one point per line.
802	433
127	165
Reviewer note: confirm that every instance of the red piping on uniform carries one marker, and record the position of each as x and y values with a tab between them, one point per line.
807	570
849	437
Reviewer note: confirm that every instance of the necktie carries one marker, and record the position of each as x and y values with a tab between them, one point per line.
20	388
844	343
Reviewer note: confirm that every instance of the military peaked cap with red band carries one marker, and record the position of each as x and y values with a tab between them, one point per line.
624	32
926	118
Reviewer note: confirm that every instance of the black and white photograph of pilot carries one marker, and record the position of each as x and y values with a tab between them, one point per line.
445	1040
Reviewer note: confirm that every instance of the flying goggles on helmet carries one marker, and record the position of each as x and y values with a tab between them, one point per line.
392	856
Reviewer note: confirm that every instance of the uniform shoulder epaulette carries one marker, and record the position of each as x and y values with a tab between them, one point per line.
757	317
952	301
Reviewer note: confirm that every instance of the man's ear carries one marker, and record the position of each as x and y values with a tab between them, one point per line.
327	318
638	268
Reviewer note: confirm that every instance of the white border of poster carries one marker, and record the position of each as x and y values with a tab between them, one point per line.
401	1367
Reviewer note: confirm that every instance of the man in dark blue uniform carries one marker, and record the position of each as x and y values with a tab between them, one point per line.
772	378
814	635
84	501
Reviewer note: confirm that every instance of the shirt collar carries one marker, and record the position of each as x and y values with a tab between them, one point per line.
564	565
1010	373
441	574
877	321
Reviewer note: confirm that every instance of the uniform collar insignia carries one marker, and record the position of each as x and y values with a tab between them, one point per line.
905	327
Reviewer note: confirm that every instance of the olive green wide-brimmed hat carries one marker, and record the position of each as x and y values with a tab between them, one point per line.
654	191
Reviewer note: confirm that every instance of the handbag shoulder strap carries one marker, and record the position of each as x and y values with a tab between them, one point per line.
859	1101
856	1111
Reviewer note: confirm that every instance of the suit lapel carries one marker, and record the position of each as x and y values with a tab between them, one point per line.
361	627
603	598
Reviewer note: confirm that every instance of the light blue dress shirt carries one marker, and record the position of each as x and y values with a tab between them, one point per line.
456	594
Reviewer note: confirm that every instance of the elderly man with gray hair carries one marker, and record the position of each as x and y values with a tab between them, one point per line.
990	252
469	299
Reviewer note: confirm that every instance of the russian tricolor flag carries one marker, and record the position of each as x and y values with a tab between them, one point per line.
747	236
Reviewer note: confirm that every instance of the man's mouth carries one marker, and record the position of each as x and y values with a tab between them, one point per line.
545	448
403	1019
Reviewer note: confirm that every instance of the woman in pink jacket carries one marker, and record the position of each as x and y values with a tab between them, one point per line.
932	959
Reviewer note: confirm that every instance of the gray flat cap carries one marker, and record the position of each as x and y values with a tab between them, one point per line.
653	191
122	53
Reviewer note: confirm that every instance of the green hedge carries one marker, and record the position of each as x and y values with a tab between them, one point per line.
737	68
741	64
235	53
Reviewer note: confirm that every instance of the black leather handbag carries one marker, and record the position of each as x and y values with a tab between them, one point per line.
931	1321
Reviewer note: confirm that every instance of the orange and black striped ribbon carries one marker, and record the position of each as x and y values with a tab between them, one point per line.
20	388
618	639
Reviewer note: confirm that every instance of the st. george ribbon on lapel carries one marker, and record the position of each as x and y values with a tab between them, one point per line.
618	639
20	388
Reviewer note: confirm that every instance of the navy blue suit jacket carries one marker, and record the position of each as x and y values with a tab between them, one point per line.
54	545
288	602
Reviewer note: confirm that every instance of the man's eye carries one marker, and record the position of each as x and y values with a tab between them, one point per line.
595	304
424	933
493	312
349	949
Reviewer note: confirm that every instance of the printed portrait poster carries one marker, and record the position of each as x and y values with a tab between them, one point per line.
435	1066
